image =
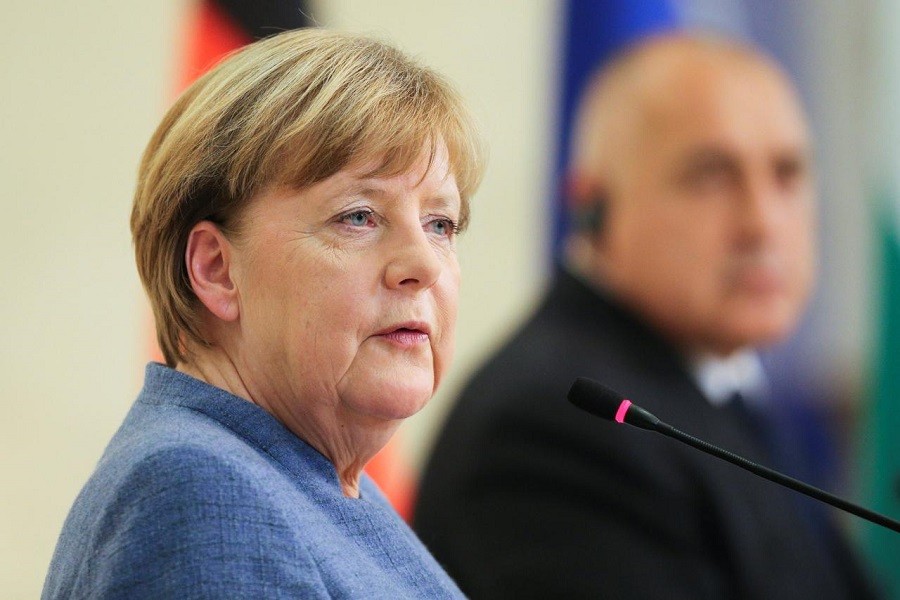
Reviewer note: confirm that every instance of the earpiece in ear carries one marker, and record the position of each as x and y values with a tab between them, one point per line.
591	216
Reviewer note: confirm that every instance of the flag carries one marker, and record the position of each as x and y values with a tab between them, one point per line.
880	434
593	31
217	27
214	29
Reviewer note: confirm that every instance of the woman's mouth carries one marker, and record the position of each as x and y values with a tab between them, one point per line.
406	335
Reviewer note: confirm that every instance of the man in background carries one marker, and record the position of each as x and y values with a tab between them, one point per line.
693	245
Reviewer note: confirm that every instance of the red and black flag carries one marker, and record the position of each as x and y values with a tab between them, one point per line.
217	27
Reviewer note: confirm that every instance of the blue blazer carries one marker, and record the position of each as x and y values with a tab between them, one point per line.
201	494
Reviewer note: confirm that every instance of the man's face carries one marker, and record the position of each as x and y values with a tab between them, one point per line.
710	225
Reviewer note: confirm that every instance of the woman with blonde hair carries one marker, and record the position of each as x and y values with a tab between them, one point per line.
295	226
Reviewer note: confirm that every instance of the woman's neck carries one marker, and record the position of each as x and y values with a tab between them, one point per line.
349	441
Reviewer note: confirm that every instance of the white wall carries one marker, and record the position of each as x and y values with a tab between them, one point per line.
84	85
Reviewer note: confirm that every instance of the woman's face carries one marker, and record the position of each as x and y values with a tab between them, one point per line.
348	294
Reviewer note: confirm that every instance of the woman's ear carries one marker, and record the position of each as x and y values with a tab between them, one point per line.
208	260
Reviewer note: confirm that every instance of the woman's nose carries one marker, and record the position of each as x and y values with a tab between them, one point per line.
414	264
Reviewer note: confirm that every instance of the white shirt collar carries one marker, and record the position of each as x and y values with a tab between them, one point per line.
720	378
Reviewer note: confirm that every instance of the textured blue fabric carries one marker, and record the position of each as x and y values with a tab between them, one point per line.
201	494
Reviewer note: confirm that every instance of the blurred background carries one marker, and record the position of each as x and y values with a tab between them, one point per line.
87	82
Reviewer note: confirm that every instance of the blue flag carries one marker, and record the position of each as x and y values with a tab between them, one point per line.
592	32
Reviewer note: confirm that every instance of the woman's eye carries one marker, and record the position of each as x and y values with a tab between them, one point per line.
359	218
443	227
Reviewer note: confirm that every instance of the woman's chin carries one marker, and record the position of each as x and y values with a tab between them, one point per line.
392	400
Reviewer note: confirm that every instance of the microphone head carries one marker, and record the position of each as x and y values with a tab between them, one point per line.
599	400
595	398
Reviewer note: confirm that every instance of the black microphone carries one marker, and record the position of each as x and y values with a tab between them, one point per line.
599	400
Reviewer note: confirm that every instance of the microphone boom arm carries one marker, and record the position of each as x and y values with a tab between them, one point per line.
790	482
601	401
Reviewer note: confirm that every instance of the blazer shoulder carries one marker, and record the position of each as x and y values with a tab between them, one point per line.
183	519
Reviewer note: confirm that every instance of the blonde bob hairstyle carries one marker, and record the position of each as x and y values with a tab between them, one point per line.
291	110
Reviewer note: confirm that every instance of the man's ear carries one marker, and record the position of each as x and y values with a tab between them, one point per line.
208	260
587	203
579	188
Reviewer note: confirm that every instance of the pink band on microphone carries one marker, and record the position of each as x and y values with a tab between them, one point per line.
623	410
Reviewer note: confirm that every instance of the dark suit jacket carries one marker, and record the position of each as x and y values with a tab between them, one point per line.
525	496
